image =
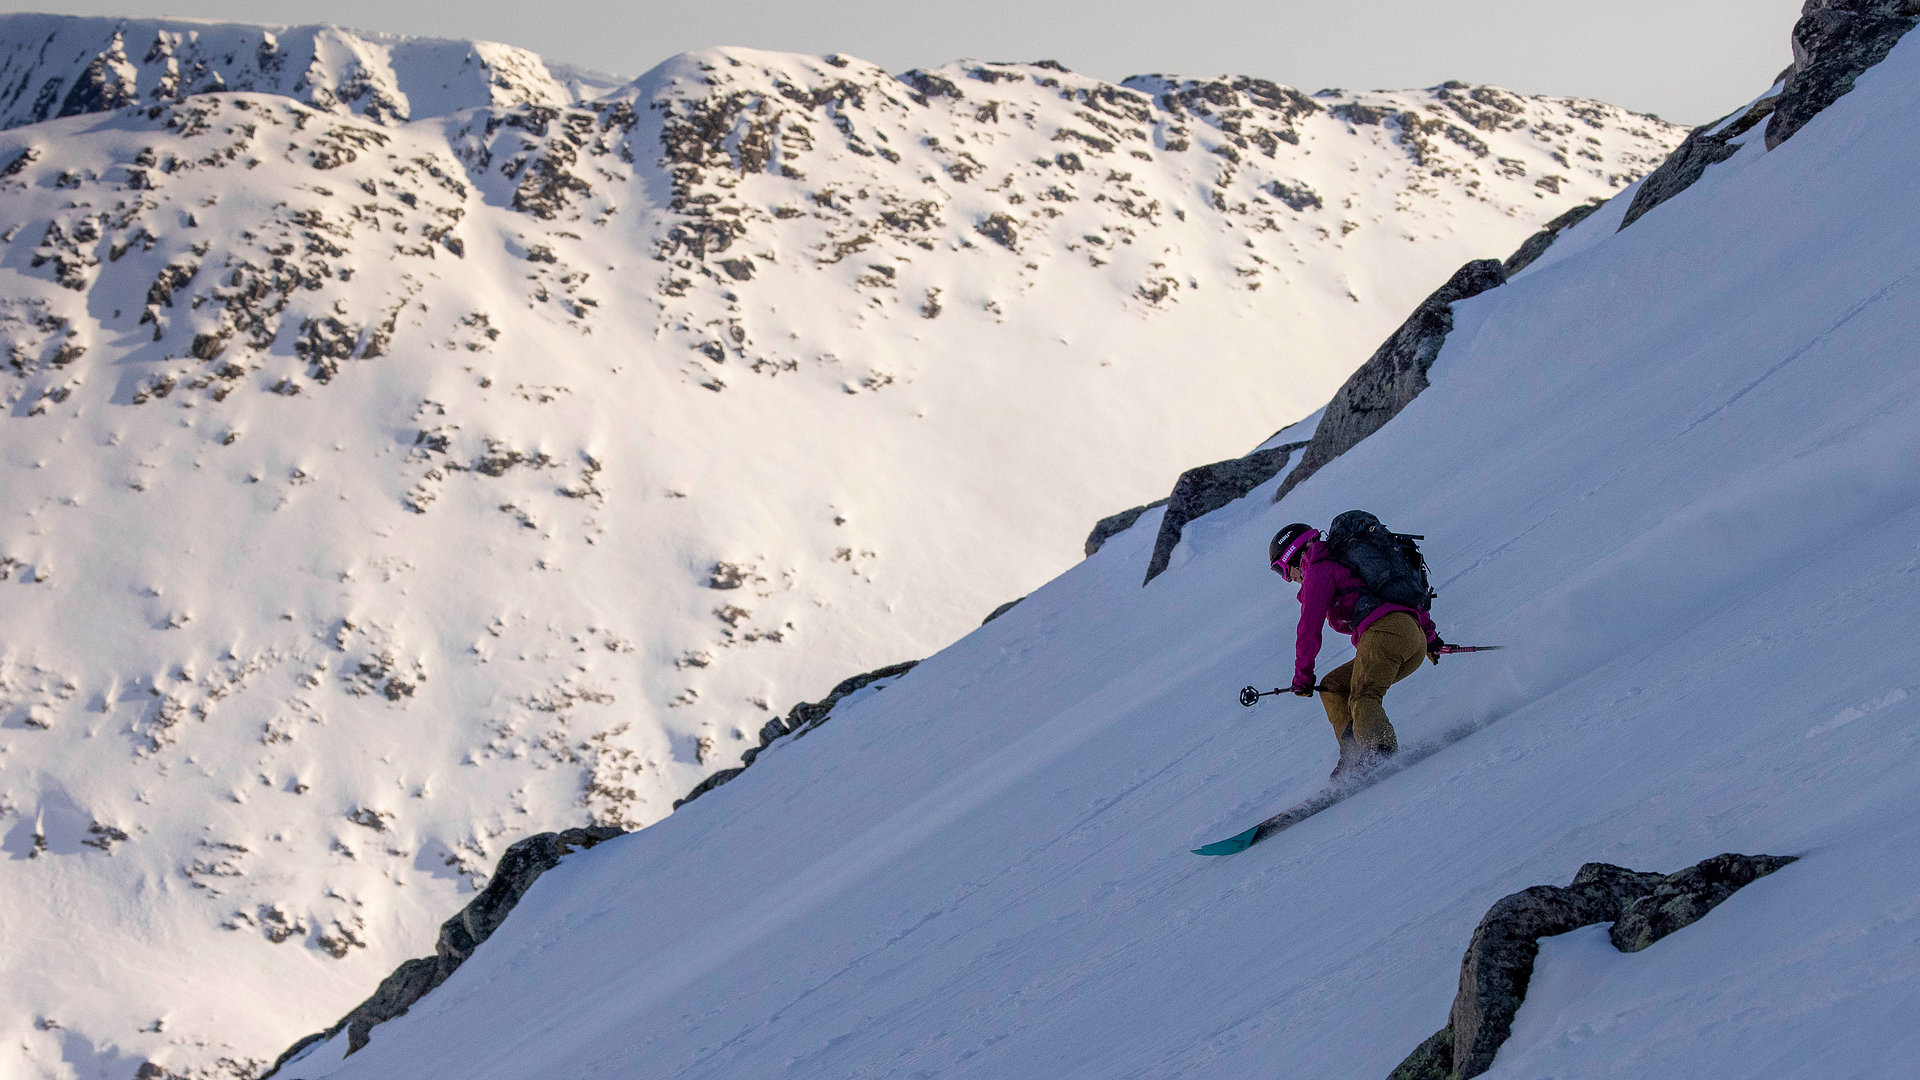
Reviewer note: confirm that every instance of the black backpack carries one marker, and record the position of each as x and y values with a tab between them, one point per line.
1389	563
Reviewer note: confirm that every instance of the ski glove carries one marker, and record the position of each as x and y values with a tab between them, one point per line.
1303	688
1433	649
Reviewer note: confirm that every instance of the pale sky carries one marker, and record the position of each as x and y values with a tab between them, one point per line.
1688	60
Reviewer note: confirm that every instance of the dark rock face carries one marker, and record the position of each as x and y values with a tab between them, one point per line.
1000	229
1707	145
799	720
1537	244
1394	375
1432	1060
1498	965
516	872
99	88
1680	899
1207	488
1297	197
1001	610
1109	527
1834	41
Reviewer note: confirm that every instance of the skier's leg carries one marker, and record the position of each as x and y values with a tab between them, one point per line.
1389	651
1333	698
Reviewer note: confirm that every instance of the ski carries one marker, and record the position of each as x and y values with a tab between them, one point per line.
1336	792
1329	796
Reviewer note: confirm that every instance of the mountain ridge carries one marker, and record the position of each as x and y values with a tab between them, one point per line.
332	68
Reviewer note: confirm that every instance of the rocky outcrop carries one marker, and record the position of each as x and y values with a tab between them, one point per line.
1681	899
1001	610
799	720
1394	375
1207	488
1834	41
522	864
1498	964
1109	527
1707	145
1537	244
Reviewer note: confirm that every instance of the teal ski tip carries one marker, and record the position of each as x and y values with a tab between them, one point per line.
1230	845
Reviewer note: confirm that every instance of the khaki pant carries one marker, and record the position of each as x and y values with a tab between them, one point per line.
1389	651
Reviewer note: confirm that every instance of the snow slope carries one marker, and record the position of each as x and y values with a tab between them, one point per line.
1677	471
378	493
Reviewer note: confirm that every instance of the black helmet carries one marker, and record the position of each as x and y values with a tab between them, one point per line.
1283	540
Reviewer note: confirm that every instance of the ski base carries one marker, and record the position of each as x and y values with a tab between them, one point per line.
1231	844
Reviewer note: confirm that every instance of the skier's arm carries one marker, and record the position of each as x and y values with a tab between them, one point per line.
1434	640
1316	598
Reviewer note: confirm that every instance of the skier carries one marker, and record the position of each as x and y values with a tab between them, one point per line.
1389	641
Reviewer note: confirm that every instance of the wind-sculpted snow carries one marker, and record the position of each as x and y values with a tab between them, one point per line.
1675	470
387	484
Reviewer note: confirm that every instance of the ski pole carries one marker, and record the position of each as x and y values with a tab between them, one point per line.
1251	697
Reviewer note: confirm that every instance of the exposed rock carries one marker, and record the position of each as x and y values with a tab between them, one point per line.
1834	41
1109	527
1000	229
1361	115
1296	196
1682	898
1498	964
799	720
1537	244
1431	1060
1207	488
1394	375
105	85
930	85
726	575
1001	610
518	868
1708	145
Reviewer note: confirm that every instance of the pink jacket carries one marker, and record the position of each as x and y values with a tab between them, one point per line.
1328	589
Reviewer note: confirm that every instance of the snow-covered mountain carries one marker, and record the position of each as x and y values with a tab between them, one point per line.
57	65
383	485
1674	467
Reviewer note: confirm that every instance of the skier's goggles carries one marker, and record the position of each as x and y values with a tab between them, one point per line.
1280	564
